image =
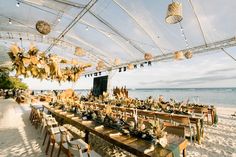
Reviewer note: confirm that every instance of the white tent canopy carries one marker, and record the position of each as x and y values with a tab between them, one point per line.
109	29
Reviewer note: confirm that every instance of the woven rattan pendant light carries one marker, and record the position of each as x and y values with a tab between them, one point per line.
188	54
130	66
100	65
174	13
43	27
178	55
148	56
117	61
79	52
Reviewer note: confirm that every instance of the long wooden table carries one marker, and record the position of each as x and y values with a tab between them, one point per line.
131	144
197	119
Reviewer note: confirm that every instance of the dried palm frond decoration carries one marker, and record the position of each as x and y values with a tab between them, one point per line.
38	65
43	27
64	61
130	66
178	55
117	61
188	54
148	56
34	60
74	62
79	52
174	13
108	110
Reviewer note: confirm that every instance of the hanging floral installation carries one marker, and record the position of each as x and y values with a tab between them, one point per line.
37	64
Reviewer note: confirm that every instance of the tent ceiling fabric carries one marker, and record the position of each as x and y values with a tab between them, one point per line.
116	28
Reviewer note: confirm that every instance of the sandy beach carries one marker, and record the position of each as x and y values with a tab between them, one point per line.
20	138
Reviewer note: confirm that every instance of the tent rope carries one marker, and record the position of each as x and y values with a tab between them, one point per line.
228	54
198	21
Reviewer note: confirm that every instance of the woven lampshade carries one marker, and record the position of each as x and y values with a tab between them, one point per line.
117	61
101	64
178	55
188	54
148	56
130	66
43	27
79	51
174	13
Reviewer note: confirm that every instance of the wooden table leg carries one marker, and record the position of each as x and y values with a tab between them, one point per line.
49	140
46	133
198	132
86	136
202	128
212	116
184	152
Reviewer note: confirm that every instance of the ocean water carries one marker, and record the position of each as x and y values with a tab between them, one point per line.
225	97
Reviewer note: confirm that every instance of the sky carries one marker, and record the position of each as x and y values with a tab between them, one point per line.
141	23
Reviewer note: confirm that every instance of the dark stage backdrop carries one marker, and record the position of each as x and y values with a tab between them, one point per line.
99	85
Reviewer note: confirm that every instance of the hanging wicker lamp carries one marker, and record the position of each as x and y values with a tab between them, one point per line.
130	66
43	27
100	65
148	56
178	55
174	13
188	54
117	61
79	52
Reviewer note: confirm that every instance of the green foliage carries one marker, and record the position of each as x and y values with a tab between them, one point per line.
9	82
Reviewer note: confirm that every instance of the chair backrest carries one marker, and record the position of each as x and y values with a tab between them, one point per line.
175	130
164	116
200	110
180	119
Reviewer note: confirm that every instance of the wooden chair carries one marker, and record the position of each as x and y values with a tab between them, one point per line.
72	147
164	117
202	110
175	130
50	123
184	121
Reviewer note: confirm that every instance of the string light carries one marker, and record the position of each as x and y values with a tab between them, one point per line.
18	4
183	35
10	21
87	28
109	35
59	19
